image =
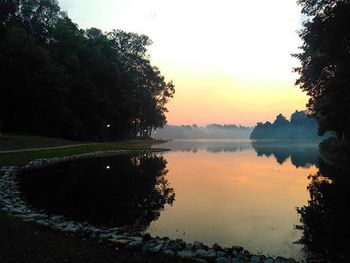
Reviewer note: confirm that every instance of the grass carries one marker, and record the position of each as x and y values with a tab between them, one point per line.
21	158
14	142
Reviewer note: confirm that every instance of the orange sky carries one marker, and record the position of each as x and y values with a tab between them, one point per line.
229	59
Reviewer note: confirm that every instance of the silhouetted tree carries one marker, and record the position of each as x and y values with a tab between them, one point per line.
325	64
300	126
59	80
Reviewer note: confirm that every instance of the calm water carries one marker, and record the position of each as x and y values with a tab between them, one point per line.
238	193
225	192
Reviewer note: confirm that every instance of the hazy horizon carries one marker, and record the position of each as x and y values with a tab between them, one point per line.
229	60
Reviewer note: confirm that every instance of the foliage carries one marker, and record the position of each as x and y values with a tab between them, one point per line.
300	126
325	64
59	80
325	220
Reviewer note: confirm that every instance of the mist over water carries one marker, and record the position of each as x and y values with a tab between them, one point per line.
238	193
229	192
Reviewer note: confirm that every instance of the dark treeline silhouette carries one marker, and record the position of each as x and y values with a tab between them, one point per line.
300	127
301	154
111	191
211	131
325	64
59	80
326	218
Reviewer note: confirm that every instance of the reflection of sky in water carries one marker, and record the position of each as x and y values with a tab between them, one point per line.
226	192
301	153
237	194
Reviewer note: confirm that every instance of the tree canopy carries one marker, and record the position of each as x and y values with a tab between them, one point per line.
59	80
325	64
299	127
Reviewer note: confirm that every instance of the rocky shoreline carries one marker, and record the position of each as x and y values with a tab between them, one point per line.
120	237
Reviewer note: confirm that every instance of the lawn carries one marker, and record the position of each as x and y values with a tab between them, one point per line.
27	142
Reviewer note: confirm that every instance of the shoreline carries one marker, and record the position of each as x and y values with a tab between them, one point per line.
121	237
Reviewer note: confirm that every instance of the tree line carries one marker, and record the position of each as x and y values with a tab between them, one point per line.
59	80
300	126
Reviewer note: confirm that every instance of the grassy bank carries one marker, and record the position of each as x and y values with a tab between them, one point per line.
20	158
19	141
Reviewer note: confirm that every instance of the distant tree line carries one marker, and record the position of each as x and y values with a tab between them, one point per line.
300	126
210	131
325	64
59	80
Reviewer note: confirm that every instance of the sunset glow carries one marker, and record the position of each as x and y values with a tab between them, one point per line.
229	59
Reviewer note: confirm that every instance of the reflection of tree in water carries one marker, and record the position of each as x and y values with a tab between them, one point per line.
209	146
111	191
301	154
326	219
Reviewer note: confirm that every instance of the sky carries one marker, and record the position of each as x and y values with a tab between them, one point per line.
229	59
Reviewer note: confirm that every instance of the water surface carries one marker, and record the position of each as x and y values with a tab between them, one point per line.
226	192
239	192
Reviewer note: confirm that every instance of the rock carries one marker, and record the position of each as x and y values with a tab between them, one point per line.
197	245
255	259
138	239
181	242
200	253
222	260
135	244
185	253
152	247
115	237
237	249
282	260
200	260
189	246
211	254
174	246
109	235
42	222
220	254
168	252
147	237
70	228
269	260
121	242
217	247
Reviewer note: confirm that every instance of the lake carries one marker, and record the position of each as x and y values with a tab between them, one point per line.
225	192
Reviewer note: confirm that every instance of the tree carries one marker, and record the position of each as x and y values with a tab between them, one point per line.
325	64
280	121
62	81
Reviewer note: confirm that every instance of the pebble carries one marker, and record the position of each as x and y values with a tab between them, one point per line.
168	252
122	242
200	253
255	259
185	253
222	260
211	254
197	244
